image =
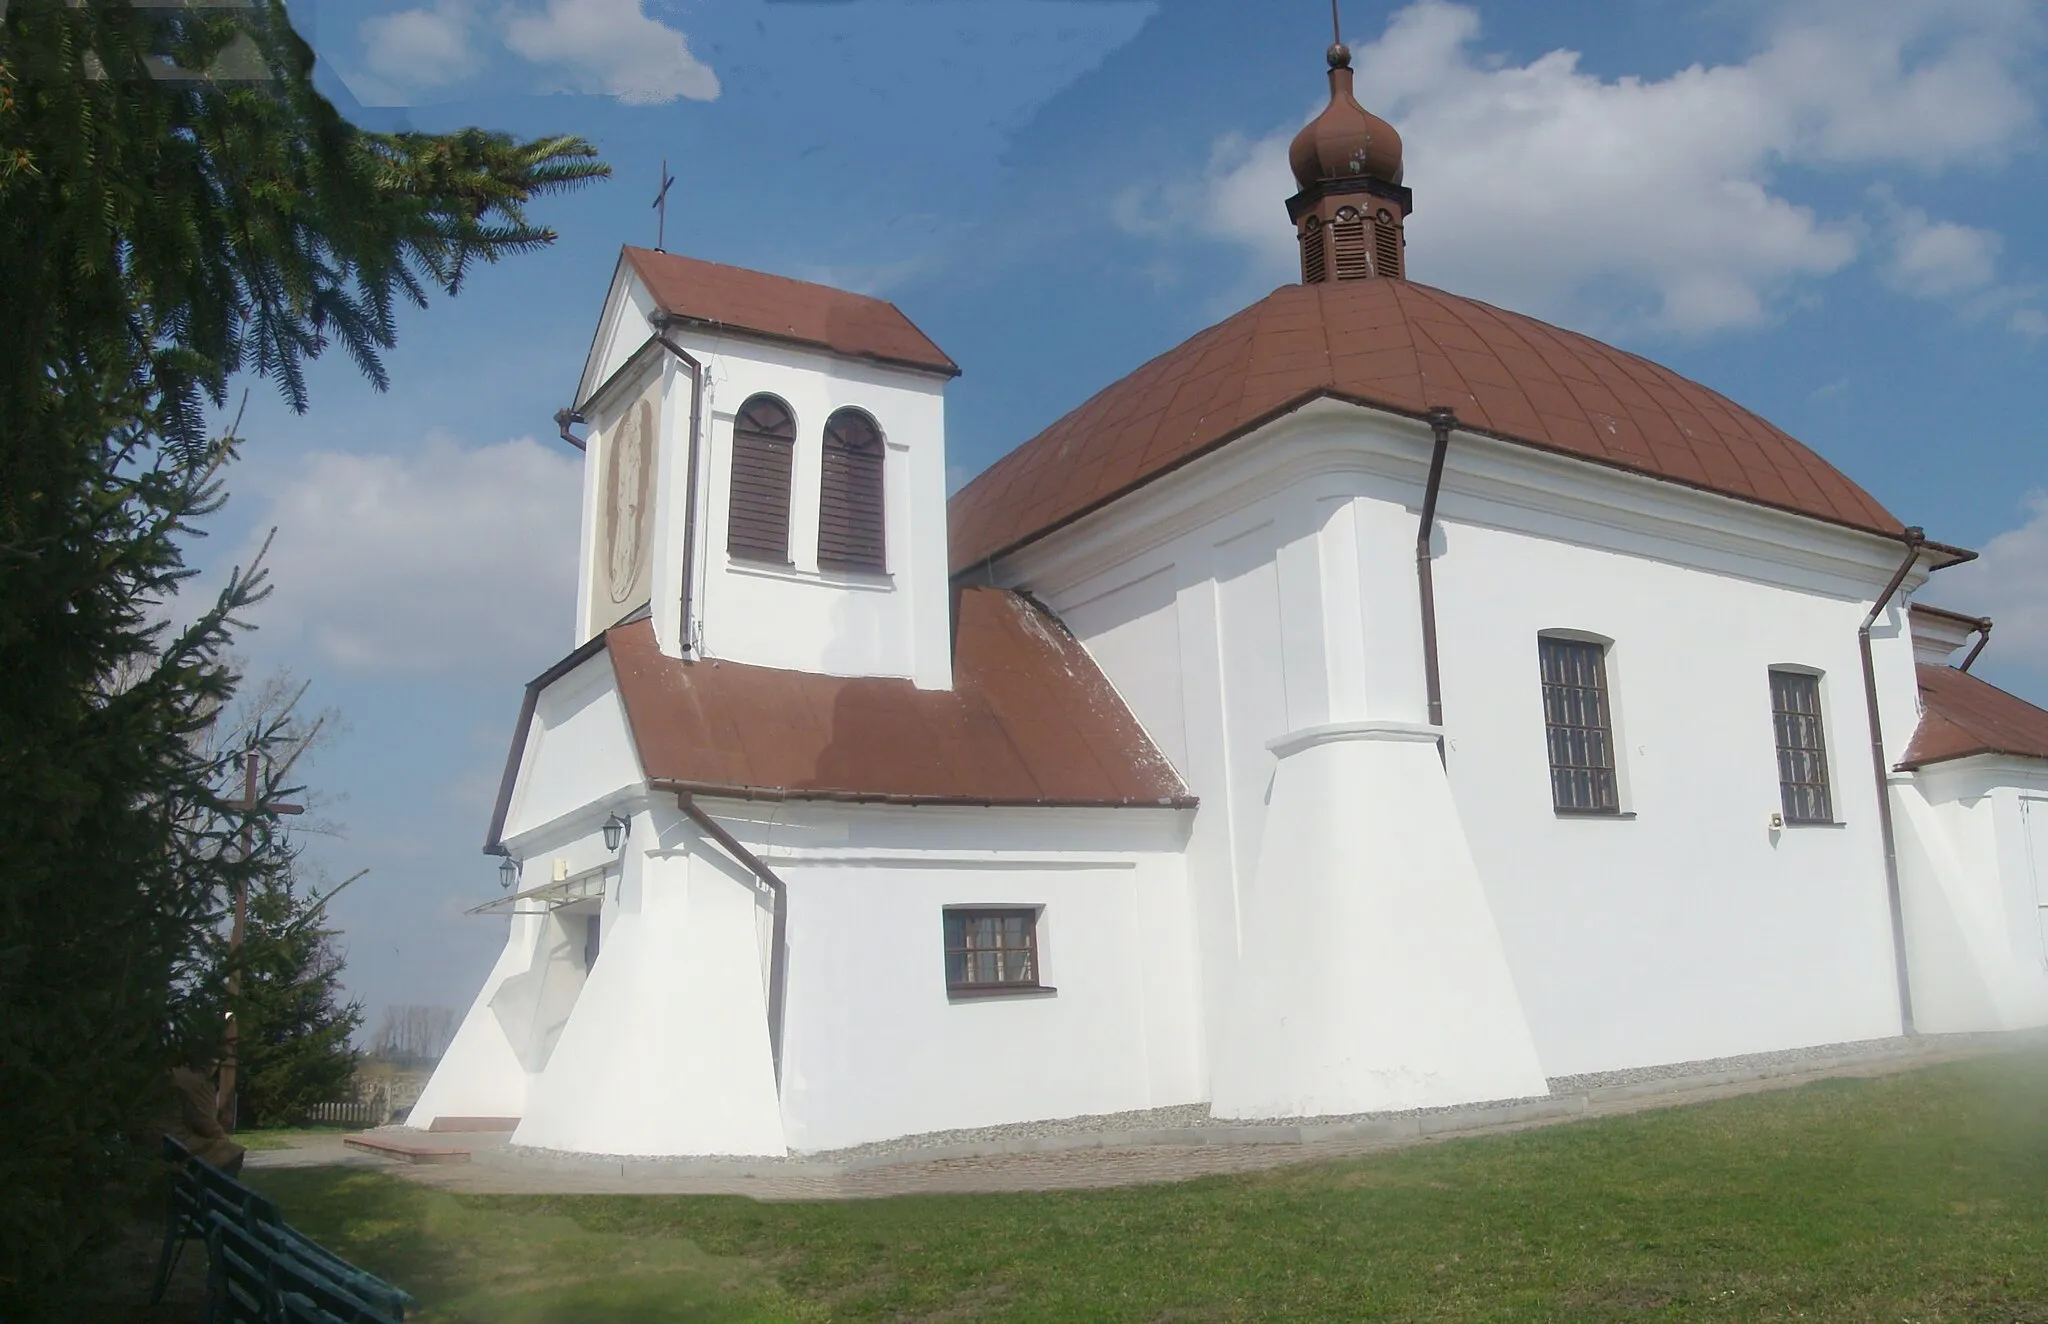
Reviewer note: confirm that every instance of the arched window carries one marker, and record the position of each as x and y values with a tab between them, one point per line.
763	442
850	498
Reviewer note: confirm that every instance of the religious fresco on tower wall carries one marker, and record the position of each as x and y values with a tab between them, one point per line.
625	557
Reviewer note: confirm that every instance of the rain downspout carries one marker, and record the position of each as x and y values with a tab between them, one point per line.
696	370
563	418
1914	537
1441	421
1983	638
778	960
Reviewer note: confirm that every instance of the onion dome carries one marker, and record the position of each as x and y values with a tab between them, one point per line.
1346	141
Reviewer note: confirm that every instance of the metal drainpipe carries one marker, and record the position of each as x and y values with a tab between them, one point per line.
1983	638
1914	537
778	961
563	418
696	369
1441	421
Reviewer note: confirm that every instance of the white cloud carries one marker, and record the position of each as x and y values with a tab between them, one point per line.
612	47
2030	322
1940	259
444	559
422	48
1548	188
2009	583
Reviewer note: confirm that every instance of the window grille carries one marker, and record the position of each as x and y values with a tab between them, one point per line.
1580	725
763	450
991	949
1802	747
850	528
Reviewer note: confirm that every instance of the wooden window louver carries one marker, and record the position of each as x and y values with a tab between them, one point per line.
1314	267
763	451
850	526
1579	726
1386	238
1350	247
1802	747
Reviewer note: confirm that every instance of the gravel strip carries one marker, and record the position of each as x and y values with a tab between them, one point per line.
1788	1057
1195	1117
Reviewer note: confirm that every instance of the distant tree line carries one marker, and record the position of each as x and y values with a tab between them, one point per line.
412	1033
179	206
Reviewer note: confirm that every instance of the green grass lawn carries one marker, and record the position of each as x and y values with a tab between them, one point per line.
281	1137
1921	1197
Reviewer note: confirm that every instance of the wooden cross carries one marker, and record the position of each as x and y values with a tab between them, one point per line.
661	208
251	805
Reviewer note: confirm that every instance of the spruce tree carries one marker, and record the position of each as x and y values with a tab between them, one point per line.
179	206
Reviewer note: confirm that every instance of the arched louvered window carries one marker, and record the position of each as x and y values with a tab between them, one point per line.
1386	243
763	442
1350	246
1314	267
850	533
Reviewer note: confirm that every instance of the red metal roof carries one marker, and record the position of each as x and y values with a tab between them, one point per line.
1030	721
1962	715
1405	348
778	308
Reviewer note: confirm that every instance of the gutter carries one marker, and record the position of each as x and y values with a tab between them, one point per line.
778	960
696	370
1441	421
1983	638
1915	540
1953	555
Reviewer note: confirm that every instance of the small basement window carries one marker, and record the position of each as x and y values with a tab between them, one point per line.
1802	747
991	951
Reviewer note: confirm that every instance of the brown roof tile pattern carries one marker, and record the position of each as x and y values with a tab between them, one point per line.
1402	347
1030	721
755	303
1962	716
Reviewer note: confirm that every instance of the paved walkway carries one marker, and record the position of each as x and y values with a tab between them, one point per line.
1082	1157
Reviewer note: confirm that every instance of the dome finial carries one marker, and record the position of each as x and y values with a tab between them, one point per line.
1352	205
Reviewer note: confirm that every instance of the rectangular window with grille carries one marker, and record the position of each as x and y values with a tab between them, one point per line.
1580	726
1802	747
991	951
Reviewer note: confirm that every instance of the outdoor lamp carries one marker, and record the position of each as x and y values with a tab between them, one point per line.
508	872
614	832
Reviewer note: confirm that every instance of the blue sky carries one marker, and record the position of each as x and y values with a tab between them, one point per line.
1828	210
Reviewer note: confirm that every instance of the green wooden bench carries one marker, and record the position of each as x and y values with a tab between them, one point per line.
255	1276
261	1269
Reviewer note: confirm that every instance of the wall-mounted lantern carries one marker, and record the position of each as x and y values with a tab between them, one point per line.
508	872
615	830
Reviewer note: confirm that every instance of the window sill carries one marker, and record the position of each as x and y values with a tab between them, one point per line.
1627	816
863	581
978	992
1791	823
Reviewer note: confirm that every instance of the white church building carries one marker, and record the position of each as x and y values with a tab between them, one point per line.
1381	700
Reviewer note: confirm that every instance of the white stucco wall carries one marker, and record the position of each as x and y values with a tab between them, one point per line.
874	1046
1973	858
1271	587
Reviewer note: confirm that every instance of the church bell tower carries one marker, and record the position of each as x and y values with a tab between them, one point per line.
1350	212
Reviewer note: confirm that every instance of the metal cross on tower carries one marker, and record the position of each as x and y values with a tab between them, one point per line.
661	208
250	804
